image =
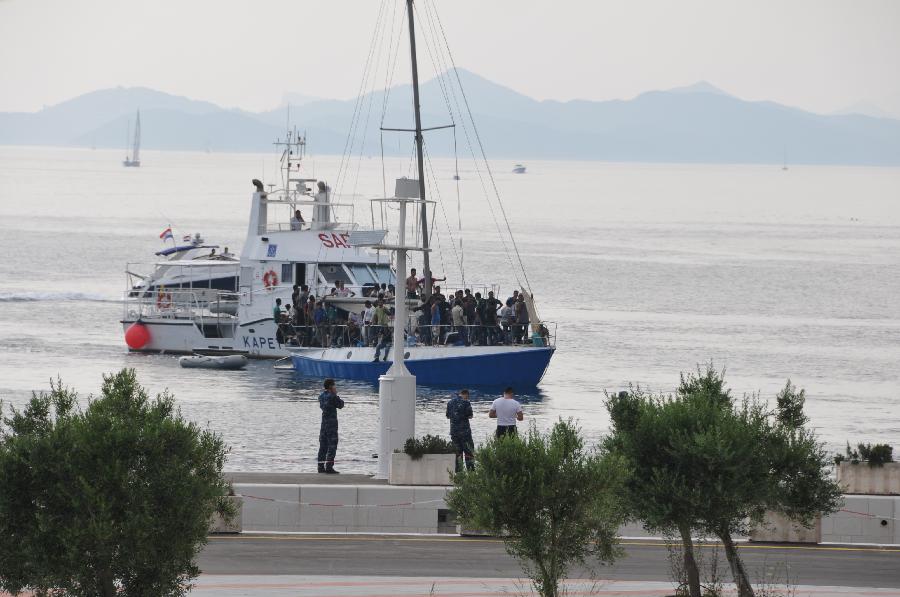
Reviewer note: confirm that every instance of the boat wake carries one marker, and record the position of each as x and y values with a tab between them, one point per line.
27	297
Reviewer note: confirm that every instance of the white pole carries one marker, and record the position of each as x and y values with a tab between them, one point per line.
397	387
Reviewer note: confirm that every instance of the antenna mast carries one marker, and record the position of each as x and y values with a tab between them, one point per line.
419	151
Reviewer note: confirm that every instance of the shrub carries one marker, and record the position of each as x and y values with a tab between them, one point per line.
429	444
876	455
554	503
873	455
115	499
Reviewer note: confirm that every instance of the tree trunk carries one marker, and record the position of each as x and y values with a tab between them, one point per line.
745	589
690	564
107	584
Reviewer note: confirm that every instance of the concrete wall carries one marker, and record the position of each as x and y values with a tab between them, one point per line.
869	480
778	528
864	519
417	509
343	508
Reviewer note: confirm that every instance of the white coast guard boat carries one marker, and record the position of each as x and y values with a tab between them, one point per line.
204	303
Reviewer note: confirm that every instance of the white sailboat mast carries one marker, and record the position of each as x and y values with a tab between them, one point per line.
420	159
137	139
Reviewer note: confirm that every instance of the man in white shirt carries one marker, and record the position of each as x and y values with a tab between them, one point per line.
368	316
507	411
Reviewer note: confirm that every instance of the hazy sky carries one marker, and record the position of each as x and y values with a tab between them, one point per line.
821	55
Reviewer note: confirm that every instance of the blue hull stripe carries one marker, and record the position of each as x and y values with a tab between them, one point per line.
515	368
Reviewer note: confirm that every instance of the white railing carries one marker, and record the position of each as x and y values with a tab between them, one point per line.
179	304
340	334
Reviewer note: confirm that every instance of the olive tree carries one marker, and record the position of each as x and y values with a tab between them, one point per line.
554	503
703	461
117	496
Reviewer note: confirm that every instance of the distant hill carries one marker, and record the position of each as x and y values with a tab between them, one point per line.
697	123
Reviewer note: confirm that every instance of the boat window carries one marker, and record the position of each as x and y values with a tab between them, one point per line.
332	272
287	274
362	274
384	274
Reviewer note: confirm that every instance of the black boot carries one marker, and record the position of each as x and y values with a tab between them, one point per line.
321	468
329	469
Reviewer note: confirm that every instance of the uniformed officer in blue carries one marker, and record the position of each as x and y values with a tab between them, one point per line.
329	402
459	411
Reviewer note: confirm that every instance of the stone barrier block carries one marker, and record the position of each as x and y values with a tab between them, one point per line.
847	525
349	517
288	516
383	517
421	518
869	480
430	469
781	529
881	506
272	491
313	516
375	495
424	497
345	495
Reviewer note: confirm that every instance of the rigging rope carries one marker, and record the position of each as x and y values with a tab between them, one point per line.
476	165
480	145
440	202
354	121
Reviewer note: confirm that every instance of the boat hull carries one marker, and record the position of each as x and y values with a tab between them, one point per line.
443	366
177	336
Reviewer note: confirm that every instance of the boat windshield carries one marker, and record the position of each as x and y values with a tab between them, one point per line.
384	274
333	272
362	274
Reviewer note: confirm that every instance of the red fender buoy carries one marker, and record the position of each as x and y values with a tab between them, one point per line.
137	335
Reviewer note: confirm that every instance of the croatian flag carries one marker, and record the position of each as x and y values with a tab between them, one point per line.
166	234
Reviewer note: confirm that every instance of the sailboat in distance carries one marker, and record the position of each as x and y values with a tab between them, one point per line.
135	160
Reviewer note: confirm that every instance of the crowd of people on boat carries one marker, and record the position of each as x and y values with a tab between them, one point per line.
459	318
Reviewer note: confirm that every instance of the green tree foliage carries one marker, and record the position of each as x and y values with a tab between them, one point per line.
703	461
118	496
554	503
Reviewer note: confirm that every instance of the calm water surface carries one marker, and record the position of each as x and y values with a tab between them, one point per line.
648	270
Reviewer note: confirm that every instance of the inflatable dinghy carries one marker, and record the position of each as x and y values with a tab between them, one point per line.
234	361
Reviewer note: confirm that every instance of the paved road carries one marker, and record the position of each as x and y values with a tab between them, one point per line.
439	557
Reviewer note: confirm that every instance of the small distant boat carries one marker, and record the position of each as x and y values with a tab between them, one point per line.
456	177
230	362
135	160
518	169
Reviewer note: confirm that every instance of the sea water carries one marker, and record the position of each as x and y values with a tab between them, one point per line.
647	271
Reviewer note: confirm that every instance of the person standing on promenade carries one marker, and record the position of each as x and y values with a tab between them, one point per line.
329	402
507	411
459	411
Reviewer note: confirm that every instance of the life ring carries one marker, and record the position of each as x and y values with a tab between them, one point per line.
163	300
270	279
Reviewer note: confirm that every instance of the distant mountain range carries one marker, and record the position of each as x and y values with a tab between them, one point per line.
699	123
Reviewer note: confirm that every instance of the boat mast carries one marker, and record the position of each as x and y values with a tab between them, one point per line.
136	151
419	151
